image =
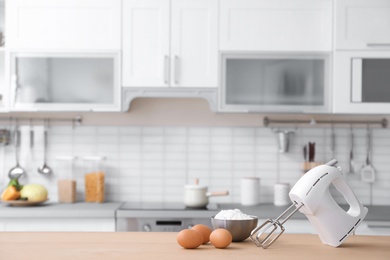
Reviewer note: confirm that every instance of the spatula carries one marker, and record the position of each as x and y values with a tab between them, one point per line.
368	171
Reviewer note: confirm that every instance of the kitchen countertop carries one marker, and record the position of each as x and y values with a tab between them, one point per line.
130	245
61	210
109	210
264	211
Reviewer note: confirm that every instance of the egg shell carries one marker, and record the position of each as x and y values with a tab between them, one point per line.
204	230
221	238
189	238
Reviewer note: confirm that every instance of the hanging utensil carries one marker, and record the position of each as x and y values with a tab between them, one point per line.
45	169
368	171
284	140
17	171
351	161
332	142
31	136
305	153
312	151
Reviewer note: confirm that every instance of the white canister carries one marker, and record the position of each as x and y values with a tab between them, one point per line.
250	191
281	191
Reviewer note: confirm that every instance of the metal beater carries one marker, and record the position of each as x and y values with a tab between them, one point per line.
277	230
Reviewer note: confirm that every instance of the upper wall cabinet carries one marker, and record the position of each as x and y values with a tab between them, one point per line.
170	43
51	81
361	82
63	24
276	25
362	24
3	88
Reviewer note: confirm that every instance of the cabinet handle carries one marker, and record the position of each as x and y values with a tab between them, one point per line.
357	84
378	226
378	44
14	82
177	69
166	69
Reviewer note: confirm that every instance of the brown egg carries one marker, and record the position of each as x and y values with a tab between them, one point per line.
204	230
220	238
189	238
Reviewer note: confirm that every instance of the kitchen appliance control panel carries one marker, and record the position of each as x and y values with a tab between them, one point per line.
159	225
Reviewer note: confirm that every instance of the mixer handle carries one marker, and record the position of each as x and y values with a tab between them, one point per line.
343	187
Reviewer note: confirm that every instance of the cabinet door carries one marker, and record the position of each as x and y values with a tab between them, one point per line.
145	49
363	24
275	82
3	89
63	24
59	225
259	25
64	81
360	82
194	53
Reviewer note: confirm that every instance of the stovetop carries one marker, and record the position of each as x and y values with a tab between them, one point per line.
166	206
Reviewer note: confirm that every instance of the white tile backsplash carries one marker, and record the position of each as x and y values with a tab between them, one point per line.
154	163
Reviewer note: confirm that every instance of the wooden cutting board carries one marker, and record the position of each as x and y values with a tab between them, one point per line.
138	245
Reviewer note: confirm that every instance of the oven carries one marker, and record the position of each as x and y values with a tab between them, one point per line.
161	217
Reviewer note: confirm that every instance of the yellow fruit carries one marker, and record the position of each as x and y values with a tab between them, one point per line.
10	193
34	192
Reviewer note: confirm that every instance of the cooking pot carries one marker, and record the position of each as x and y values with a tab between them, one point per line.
196	196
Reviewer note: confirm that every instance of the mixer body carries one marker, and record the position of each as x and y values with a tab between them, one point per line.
332	223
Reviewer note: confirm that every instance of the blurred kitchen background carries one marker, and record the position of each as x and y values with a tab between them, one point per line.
159	93
155	149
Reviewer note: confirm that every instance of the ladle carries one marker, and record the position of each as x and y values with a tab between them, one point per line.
45	169
17	171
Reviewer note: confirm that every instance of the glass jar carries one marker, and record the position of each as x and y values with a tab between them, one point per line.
94	178
66	182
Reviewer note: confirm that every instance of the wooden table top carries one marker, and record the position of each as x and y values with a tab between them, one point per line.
158	245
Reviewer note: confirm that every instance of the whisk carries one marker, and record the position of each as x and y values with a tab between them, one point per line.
276	225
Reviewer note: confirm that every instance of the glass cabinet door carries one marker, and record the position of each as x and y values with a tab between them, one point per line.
65	81
275	83
370	77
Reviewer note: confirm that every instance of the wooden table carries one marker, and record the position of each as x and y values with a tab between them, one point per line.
138	245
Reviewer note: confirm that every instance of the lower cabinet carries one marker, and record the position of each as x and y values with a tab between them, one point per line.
367	228
374	228
58	225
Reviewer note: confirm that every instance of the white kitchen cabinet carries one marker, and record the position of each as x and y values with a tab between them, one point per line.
362	24
360	83
58	225
63	24
3	88
51	81
170	43
276	25
374	228
275	82
145	43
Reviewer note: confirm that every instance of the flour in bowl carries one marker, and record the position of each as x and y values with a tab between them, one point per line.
232	214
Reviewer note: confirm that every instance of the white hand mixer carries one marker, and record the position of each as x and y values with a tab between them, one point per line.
311	196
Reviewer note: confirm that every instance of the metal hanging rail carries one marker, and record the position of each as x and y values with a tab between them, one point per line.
383	122
75	121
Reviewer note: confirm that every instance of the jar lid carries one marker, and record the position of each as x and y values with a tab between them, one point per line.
94	158
66	158
195	187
